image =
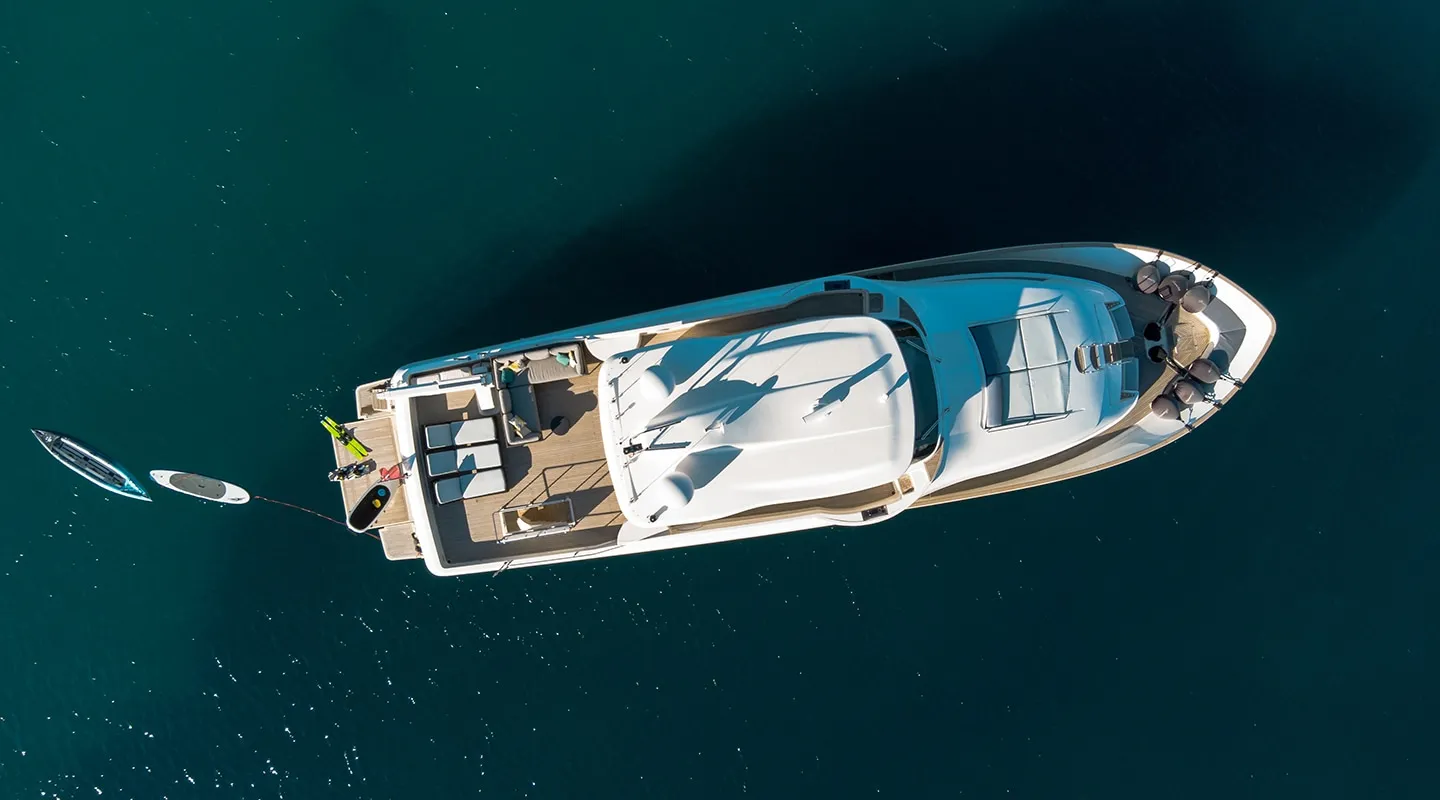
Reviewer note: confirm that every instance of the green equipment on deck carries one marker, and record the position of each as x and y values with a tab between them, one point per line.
351	443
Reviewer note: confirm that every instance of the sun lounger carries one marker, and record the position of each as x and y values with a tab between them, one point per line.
465	487
466	459
460	433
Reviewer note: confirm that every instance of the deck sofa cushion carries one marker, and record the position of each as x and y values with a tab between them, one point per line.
466	459
471	485
473	431
1027	371
543	365
520	401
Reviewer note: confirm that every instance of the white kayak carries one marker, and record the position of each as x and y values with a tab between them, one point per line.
200	486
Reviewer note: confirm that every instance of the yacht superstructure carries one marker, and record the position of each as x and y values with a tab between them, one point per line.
839	401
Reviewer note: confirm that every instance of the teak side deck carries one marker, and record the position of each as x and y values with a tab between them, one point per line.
378	434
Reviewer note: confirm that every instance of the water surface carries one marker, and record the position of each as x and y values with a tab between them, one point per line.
216	221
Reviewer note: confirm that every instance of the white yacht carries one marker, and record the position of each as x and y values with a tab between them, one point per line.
843	400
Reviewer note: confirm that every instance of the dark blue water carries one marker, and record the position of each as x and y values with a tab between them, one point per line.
216	219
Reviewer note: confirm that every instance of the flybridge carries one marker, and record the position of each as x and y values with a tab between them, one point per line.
708	427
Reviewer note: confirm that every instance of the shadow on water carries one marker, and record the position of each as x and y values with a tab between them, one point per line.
368	50
1084	124
1156	128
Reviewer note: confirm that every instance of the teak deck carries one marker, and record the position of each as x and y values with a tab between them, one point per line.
570	465
378	434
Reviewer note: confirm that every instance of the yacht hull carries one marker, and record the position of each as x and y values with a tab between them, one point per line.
563	453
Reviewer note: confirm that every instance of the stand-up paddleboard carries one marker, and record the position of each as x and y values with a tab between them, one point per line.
346	438
200	486
367	509
90	464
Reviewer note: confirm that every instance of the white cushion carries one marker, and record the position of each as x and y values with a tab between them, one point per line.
448	490
491	481
1000	347
1041	338
464	487
438	436
473	431
1019	402
485	398
466	459
1049	388
459	434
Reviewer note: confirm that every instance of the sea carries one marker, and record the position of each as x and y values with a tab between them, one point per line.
217	218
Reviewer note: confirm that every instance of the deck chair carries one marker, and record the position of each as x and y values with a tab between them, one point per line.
460	433
466	487
466	459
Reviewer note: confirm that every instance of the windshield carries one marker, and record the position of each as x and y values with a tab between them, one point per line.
922	389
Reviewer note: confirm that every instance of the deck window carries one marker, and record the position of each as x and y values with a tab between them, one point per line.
1027	375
